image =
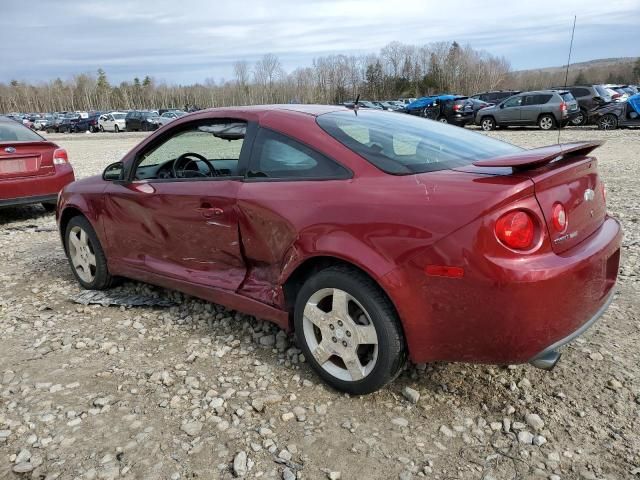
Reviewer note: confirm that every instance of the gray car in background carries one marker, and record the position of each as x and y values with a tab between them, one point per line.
545	108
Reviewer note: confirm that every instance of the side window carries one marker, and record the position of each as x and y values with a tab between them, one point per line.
580	92
542	99
205	149
513	102
530	100
278	156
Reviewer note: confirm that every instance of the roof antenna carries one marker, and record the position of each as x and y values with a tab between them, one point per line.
566	73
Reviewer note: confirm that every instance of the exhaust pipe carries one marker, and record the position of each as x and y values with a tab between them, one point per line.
546	361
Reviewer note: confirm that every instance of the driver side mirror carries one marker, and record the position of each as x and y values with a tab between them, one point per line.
114	172
502	105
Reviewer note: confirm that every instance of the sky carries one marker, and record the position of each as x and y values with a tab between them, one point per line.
189	41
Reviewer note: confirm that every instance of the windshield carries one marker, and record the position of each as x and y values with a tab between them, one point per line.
405	144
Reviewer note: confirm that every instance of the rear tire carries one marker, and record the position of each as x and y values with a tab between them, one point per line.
116	129
546	122
86	257
488	124
101	128
349	331
443	120
608	122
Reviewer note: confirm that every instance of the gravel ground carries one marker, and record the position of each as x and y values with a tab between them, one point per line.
195	391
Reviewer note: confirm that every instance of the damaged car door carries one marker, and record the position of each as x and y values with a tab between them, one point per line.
177	216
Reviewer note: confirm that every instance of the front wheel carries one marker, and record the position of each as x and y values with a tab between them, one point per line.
488	124
85	255
116	129
349	331
546	122
608	122
101	128
580	119
443	120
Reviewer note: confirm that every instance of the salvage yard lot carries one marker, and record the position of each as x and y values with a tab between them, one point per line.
180	392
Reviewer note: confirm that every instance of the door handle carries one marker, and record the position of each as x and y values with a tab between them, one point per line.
207	211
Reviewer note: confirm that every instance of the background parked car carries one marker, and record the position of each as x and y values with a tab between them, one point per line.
112	122
141	120
588	97
478	104
494	97
610	116
454	109
169	115
42	122
545	108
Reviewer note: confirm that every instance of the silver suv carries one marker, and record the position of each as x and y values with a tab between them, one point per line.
545	108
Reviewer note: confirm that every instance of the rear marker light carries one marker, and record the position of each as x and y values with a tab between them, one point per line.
559	218
60	156
515	230
444	271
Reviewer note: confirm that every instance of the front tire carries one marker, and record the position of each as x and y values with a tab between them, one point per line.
546	122
85	255
608	122
349	331
443	120
488	124
580	119
116	129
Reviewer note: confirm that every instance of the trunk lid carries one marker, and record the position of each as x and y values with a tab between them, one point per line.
561	174
26	159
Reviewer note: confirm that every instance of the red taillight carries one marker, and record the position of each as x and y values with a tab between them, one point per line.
559	217
60	156
457	108
515	229
563	106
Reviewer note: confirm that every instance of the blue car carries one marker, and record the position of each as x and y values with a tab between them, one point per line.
454	109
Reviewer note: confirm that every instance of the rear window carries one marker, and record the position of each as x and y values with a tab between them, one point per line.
567	97
405	144
14	132
602	91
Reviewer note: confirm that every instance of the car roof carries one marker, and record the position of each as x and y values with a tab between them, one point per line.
313	110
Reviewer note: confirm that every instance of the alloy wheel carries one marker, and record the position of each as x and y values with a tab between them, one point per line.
340	334
546	123
487	124
82	255
578	119
607	122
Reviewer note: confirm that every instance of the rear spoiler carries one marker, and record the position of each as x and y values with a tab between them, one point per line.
537	157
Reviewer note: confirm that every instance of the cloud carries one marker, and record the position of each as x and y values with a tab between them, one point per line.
187	41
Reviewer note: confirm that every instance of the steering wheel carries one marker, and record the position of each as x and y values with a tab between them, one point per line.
178	169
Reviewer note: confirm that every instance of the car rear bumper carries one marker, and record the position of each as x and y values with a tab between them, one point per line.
37	189
508	310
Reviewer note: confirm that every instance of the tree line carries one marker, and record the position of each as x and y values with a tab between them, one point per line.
397	70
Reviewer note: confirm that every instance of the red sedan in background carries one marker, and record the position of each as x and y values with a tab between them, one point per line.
373	235
32	169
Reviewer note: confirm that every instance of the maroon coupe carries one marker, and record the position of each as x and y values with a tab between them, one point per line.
373	235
